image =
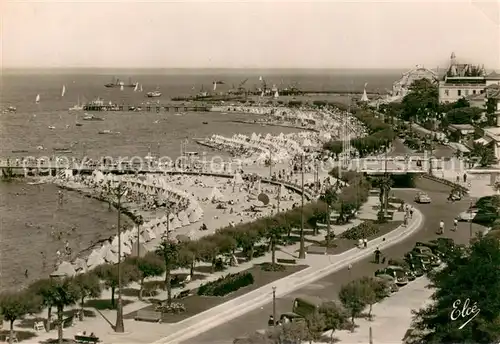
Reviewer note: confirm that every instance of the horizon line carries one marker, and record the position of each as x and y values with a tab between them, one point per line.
214	68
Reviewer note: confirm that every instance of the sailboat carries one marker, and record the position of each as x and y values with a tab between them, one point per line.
364	98
78	124
37	99
136	88
63	91
140	90
77	107
121	87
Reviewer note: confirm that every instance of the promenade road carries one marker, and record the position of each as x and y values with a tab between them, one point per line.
328	287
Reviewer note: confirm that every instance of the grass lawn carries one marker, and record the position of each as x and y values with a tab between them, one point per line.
21	335
103	304
196	304
340	245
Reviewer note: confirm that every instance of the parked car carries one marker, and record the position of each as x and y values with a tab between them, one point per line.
422	198
421	260
404	266
436	248
397	272
467	215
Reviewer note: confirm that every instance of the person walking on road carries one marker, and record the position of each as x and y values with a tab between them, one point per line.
441	227
377	256
455	225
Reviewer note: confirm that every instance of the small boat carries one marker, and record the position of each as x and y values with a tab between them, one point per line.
11	109
78	124
51	127
88	117
37	99
153	94
37	183
108	132
130	83
63	91
205	122
61	149
20	151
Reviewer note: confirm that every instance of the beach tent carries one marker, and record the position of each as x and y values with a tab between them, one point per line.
196	215
238	179
142	250
161	229
183	218
216	195
175	223
95	259
80	265
110	257
65	269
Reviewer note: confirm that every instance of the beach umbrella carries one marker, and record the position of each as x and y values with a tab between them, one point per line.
263	198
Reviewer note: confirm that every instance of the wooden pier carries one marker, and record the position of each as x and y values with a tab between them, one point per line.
147	107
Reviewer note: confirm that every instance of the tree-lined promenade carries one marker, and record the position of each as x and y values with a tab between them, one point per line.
59	293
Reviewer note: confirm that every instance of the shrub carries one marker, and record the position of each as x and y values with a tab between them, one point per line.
272	267
174	308
226	284
361	231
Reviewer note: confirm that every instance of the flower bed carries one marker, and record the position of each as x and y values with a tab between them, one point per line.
361	231
226	284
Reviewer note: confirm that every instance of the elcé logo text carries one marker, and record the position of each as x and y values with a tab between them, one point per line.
464	311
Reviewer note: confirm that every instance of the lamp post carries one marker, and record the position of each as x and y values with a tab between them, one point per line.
118	190
274	306
302	252
270	164
470	220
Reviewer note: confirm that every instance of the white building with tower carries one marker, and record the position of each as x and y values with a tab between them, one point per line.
463	80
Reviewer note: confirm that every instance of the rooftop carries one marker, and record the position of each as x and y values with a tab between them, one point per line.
493	76
493	132
462	126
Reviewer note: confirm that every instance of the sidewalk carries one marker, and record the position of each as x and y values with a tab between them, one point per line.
392	317
478	184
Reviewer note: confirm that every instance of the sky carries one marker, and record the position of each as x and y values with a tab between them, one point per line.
256	34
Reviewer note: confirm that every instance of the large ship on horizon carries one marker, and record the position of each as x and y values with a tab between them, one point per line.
115	82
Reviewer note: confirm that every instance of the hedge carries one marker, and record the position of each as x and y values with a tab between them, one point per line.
226	284
381	135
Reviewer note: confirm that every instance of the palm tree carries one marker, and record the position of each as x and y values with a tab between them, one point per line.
88	285
64	293
384	184
329	197
274	234
169	251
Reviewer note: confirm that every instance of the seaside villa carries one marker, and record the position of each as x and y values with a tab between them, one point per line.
463	80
